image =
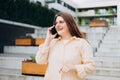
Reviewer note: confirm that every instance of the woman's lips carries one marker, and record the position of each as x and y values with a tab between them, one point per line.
60	29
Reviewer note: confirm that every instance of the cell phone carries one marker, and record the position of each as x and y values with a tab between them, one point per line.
53	31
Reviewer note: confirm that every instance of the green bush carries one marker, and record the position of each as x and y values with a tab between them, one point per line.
26	12
33	58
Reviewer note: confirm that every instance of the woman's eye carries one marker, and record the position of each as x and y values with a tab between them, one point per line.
61	21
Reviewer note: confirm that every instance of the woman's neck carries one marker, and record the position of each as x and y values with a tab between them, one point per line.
65	37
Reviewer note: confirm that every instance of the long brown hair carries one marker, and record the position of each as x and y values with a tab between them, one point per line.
72	26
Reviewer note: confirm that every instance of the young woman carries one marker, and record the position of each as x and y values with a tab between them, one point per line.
69	55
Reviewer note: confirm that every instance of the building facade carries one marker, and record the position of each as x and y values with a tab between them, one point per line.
86	10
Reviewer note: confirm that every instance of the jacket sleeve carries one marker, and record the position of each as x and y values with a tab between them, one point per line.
88	64
42	54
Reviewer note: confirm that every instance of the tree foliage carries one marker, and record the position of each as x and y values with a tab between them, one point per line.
26	12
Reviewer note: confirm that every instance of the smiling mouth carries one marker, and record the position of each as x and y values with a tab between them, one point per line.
60	29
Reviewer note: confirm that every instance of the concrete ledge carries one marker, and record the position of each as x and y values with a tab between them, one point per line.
108	49
15	74
21	49
105	45
107	54
107	62
95	77
113	72
19	24
12	61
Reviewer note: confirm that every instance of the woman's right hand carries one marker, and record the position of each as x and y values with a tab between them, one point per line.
49	36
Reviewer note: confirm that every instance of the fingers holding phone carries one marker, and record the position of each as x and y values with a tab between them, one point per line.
49	36
51	33
53	30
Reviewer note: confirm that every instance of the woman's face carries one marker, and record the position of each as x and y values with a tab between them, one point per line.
61	26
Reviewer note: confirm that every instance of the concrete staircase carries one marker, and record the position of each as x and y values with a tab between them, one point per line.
106	52
107	56
95	36
10	67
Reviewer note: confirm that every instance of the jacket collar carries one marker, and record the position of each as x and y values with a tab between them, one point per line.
72	38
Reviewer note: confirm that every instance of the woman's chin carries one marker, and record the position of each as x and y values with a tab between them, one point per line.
59	33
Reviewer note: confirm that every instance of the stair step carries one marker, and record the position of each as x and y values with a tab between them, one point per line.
97	30
19	55
15	74
21	49
105	45
113	31
95	77
108	72
110	41
8	71
107	54
113	38
107	62
106	49
11	60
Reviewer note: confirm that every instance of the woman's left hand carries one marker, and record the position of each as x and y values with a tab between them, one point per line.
67	68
